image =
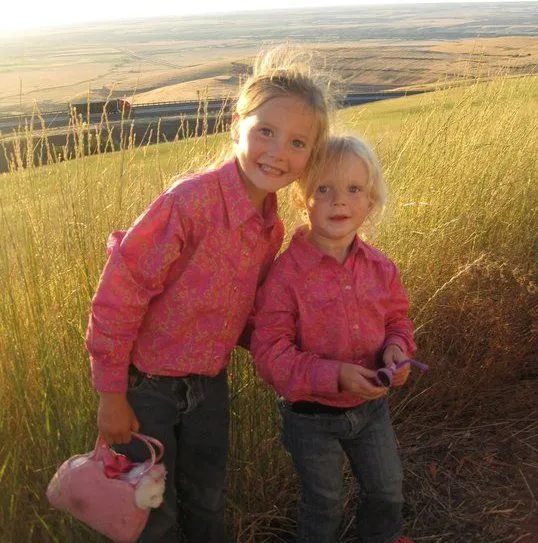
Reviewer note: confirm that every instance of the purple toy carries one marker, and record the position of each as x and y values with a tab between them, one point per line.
383	376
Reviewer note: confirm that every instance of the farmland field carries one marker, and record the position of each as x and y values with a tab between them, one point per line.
371	48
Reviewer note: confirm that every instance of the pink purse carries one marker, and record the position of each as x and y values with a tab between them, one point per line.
108	492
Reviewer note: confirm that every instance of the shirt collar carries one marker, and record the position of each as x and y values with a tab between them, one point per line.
308	256
239	206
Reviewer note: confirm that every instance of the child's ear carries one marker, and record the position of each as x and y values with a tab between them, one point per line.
234	128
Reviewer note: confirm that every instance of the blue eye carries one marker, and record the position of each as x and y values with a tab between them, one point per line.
354	189
323	189
299	144
264	131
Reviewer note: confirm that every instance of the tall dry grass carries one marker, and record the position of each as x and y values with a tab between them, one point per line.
462	168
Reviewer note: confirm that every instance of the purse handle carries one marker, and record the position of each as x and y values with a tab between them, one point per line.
151	443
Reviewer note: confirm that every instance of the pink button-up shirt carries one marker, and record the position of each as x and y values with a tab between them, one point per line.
179	285
313	313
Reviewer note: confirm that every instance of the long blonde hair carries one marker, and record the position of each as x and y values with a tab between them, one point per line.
287	71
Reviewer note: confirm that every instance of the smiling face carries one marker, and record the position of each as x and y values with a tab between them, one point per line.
273	144
340	202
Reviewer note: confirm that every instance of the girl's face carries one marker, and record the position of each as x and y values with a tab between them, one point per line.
273	144
341	201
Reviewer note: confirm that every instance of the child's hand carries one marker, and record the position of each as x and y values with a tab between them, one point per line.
391	355
356	379
116	418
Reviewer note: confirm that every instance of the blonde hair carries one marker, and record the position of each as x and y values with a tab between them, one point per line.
337	147
288	71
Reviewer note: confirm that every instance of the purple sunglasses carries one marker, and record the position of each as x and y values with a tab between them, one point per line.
383	377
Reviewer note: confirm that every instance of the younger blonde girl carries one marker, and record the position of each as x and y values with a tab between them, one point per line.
331	308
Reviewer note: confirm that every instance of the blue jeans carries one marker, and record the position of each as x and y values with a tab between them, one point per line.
317	444
190	417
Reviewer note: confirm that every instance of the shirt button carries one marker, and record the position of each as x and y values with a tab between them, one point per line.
348	287
355	327
225	324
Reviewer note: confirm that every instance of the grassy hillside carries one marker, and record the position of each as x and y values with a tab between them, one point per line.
461	224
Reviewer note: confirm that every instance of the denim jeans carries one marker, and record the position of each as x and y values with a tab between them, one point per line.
317	444
190	417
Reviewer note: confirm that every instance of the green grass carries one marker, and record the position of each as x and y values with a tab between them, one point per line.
461	225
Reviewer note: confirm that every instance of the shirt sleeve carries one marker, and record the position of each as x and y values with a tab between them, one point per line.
398	326
135	273
293	373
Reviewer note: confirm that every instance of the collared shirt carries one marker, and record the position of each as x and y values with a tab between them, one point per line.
313	313
179	285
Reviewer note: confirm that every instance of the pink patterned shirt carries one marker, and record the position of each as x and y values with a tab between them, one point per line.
312	313
179	285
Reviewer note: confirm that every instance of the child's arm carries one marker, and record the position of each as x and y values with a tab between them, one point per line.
246	335
399	342
134	273
294	373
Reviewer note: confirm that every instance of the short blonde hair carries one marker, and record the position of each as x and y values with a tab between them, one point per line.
336	148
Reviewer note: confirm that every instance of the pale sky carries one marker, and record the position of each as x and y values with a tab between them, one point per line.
17	15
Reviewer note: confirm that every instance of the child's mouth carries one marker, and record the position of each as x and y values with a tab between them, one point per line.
270	170
338	218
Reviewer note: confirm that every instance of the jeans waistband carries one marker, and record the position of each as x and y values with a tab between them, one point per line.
134	371
190	389
314	408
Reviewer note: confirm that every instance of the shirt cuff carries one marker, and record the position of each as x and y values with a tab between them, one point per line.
325	377
106	381
399	342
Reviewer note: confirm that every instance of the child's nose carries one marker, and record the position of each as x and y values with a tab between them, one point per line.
338	197
276	149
